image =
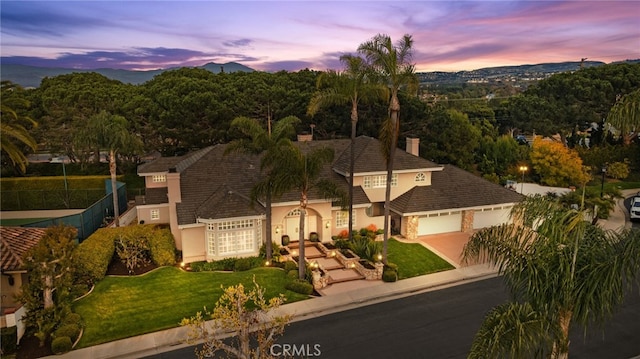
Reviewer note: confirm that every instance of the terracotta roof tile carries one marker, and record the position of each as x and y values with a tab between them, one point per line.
15	242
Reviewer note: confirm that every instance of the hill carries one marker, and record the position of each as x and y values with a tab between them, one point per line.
31	76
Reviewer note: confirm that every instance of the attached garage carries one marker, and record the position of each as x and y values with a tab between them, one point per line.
487	217
444	222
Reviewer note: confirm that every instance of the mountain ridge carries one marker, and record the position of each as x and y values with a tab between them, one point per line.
31	76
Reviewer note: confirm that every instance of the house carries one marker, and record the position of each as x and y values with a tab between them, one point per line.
205	198
15	242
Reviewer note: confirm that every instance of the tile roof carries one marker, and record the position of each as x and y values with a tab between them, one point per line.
453	188
368	158
163	164
156	195
15	242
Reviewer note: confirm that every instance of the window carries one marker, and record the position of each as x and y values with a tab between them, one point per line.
379	181
420	177
342	219
158	178
155	214
232	237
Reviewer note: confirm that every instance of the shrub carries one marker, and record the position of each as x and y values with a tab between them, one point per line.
389	275
290	265
300	286
68	330
72	318
344	234
162	247
293	274
391	266
94	254
202	266
227	264
61	345
242	264
275	252
8	339
341	243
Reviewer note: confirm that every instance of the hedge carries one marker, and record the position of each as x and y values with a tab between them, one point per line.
94	254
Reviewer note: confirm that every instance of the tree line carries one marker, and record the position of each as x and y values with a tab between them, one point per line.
191	108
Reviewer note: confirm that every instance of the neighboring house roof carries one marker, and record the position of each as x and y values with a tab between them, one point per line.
453	188
368	158
180	163
15	242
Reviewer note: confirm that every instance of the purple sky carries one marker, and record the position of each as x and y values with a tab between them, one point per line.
292	35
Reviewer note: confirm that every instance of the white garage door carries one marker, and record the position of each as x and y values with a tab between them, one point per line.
440	224
490	217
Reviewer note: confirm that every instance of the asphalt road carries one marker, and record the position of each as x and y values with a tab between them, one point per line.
437	324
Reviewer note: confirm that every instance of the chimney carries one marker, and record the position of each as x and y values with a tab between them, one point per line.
413	146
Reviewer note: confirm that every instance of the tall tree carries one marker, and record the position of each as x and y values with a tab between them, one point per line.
15	124
350	86
392	63
257	140
560	269
111	132
625	116
300	168
49	264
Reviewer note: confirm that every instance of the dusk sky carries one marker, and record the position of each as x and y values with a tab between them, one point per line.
293	35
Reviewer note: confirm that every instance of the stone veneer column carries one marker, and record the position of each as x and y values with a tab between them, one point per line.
467	221
411	227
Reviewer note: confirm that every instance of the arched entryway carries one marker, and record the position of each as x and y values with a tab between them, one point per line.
292	223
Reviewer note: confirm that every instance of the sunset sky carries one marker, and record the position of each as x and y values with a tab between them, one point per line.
293	35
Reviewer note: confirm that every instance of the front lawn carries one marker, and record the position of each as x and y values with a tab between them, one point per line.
413	259
121	307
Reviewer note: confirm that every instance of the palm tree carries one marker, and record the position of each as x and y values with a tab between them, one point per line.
625	116
560	270
12	126
348	87
300	169
392	63
256	140
105	130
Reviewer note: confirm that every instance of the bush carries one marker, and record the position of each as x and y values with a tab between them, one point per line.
8	339
243	264
275	252
94	254
202	266
389	275
68	330
290	265
162	246
293	274
300	286
61	345
72	318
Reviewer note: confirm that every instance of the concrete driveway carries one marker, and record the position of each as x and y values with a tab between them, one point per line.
447	245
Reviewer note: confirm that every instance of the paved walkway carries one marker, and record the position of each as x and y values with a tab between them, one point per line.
337	297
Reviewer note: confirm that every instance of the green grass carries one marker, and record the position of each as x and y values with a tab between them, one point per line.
121	307
19	221
413	259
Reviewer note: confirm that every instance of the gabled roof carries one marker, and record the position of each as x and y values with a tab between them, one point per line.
15	242
453	188
214	173
225	203
368	158
180	163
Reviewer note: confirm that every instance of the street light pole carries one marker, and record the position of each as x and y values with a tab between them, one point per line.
523	169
